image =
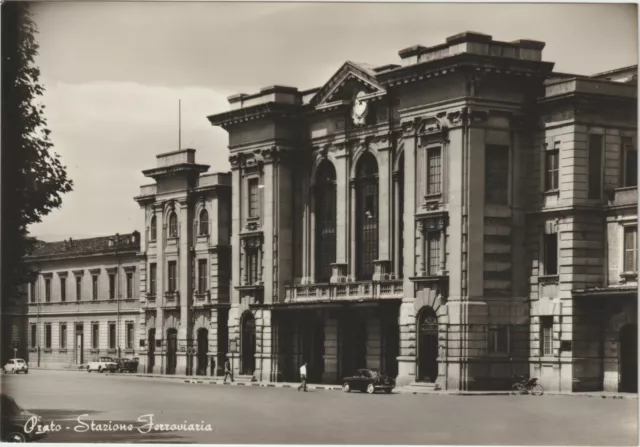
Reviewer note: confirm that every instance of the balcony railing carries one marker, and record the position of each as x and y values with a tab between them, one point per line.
344	291
171	299
202	298
624	196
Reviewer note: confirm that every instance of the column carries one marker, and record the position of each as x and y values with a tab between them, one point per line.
342	204
270	194
158	365
384	204
184	287
406	318
313	212
352	225
396	218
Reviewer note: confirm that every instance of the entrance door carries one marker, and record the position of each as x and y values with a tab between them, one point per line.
248	345
203	349
629	358
354	345
427	346
151	351
79	344
172	350
312	347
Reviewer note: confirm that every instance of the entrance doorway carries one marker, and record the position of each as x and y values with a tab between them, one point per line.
203	350
79	344
353	338
427	346
312	347
248	345
629	358
151	351
172	350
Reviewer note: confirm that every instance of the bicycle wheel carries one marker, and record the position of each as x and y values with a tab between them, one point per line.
537	390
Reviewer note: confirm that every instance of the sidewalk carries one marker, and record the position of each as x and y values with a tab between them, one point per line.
208	380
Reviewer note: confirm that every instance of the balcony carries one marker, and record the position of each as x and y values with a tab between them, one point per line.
354	291
202	298
171	300
623	196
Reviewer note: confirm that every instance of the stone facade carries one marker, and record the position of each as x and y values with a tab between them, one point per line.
83	302
394	217
184	273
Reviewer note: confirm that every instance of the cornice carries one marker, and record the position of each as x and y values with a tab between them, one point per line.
253	113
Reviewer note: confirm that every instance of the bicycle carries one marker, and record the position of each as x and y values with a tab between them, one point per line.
522	385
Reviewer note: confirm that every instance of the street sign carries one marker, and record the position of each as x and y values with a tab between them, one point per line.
233	345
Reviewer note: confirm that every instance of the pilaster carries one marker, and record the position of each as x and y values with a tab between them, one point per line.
408	217
330	373
343	191
384	204
270	194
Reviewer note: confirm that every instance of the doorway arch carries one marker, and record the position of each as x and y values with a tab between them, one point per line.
248	344
151	351
203	350
427	345
628	359
172	350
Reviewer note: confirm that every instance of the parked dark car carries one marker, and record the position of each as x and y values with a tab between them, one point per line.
368	380
125	365
14	426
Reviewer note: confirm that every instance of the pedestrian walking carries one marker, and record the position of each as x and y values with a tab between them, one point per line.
227	371
303	377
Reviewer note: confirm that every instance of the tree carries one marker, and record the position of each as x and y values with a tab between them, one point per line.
33	178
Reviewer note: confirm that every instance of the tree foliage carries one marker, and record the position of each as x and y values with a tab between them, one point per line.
33	178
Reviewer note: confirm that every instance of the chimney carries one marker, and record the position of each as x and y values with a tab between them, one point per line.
70	242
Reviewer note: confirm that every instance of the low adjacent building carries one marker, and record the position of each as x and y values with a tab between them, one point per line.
83	303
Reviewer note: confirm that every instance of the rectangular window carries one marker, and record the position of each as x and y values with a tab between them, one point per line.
95	334
552	170
94	283
252	267
546	336
112	286
432	253
129	284
47	290
112	335
434	170
496	175
152	278
550	250
34	336
630	162
63	336
595	166
129	335
78	288
63	288
47	336
202	275
630	249
254	201
499	339
172	276
32	291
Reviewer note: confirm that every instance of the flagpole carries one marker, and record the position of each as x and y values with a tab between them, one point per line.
179	124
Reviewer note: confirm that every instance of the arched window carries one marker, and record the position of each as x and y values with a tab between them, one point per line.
173	225
204	223
153	228
366	216
325	217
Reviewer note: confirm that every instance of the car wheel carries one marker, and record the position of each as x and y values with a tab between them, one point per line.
26	371
100	369
388	390
346	388
15	437
370	388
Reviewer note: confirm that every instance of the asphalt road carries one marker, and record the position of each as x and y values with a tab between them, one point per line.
256	415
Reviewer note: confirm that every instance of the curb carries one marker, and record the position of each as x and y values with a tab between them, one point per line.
339	388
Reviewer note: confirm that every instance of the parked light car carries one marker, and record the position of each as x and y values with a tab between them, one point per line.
16	366
103	364
14	419
368	380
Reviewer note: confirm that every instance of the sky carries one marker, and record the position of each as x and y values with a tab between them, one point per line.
114	72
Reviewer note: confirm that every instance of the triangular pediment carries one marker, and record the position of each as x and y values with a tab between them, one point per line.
350	79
